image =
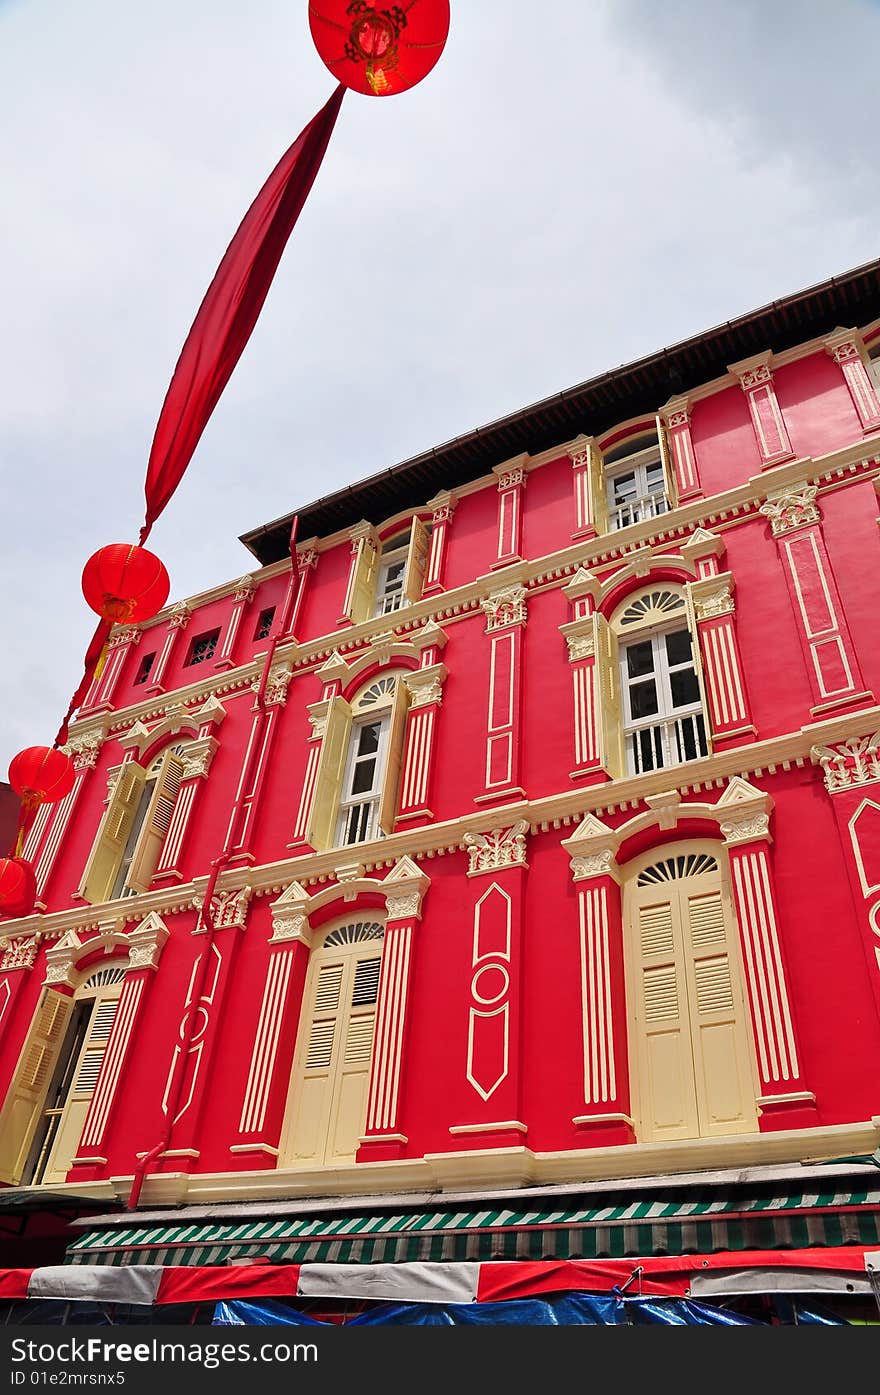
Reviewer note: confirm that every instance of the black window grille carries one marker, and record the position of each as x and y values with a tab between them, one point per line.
201	647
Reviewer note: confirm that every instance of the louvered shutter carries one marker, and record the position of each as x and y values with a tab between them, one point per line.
598	489
82	1087
27	1093
416	561
388	803
361	598
156	824
666	1073
669	479
725	1088
328	781
608	690
349	1104
106	855
308	1132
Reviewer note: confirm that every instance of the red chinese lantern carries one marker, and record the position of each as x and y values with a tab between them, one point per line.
18	887
40	775
378	49
125	583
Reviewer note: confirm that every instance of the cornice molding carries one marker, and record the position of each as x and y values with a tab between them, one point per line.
678	527
715	771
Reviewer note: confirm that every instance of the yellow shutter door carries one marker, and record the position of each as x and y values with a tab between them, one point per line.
24	1103
666	1089
416	561
82	1087
113	834
156	823
391	776
313	1069
722	1056
363	586
669	479
332	1067
328	782
608	690
348	1108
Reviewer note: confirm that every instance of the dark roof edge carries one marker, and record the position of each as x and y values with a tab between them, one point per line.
317	517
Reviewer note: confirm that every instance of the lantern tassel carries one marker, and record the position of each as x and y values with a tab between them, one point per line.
102	659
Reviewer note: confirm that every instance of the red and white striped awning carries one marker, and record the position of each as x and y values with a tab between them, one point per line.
841	1269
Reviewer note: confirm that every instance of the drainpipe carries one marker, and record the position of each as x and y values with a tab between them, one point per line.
142	1166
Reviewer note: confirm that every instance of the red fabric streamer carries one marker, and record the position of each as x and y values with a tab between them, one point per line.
93	654
230	309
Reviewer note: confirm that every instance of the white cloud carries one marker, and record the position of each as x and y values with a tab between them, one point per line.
557	198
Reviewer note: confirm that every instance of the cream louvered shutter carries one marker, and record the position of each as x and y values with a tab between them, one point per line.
25	1100
607	677
416	561
349	1102
332	1069
361	599
598	489
388	803
106	855
156	824
724	1081
308	1132
668	1103
82	1086
669	479
328	780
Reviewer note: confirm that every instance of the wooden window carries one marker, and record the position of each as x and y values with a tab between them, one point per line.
358	776
201	647
328	1098
143	669
636	482
660	709
264	622
133	830
401	568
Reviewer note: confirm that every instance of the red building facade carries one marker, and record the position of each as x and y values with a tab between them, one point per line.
559	855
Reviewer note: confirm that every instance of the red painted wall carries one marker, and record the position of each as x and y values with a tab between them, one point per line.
821	924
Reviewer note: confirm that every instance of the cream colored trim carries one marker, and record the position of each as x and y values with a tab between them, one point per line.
795	1097
603	1119
254	1148
677	526
497	1166
490	1128
713	772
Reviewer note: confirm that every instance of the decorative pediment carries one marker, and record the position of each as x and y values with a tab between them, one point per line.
404	888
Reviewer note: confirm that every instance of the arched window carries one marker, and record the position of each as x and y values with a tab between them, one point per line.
400	572
358	775
661	704
49	1097
365	808
327	1105
133	831
635	481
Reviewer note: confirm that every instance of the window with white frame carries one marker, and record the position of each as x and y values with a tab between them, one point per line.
634	481
661	701
362	780
390	594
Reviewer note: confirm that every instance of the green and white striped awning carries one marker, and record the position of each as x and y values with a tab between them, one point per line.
645	1227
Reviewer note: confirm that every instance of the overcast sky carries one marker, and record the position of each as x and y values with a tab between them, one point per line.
573	186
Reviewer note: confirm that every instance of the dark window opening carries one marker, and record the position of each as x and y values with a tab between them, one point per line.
144	667
202	647
264	623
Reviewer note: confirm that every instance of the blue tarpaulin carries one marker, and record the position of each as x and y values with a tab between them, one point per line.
568	1310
